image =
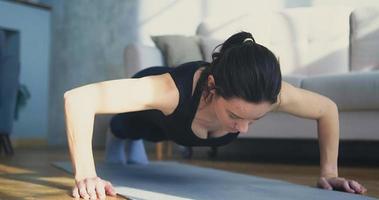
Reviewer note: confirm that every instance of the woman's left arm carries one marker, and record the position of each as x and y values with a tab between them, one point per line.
307	104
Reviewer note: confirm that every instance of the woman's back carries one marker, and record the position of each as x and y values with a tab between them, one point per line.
154	125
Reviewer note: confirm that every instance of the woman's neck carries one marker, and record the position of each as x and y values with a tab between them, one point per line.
207	116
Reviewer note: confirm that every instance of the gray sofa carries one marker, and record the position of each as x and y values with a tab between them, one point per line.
330	50
320	49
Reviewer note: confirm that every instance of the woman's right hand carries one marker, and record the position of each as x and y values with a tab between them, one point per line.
93	188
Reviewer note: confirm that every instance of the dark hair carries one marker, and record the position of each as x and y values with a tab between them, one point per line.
245	69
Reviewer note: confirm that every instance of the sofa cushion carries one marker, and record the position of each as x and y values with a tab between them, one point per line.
293	80
352	91
207	45
304	43
178	49
364	25
138	57
317	47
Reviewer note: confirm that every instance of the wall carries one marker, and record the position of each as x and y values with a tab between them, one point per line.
88	41
88	37
33	25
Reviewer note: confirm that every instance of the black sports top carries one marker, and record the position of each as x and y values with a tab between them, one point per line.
177	125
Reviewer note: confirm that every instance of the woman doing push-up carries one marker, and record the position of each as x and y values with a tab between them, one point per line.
195	104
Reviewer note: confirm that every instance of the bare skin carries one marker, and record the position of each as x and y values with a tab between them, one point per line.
223	116
213	119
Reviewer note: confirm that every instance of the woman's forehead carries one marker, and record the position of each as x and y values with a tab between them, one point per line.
246	109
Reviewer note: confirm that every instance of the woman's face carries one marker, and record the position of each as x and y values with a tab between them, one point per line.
237	114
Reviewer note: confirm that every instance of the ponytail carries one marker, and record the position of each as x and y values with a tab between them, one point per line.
245	69
241	38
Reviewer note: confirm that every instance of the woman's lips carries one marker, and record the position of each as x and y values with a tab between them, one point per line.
233	130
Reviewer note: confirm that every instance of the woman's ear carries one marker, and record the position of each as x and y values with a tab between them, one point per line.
211	84
211	80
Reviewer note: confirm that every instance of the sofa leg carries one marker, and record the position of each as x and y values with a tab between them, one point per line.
159	150
212	153
187	152
6	144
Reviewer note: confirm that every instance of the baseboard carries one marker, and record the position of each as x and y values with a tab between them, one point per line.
22	143
294	151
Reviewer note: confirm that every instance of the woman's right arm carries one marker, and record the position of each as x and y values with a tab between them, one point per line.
115	96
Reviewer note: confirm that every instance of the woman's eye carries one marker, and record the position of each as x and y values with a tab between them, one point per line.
233	117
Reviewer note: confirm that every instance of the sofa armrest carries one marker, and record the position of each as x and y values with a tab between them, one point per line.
351	91
294	80
139	56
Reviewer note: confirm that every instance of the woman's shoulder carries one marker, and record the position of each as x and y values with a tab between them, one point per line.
180	83
193	65
185	74
166	97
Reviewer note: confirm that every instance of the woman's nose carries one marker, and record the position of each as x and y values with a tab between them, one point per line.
243	127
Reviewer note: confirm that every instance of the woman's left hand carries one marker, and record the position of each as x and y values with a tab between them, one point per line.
342	184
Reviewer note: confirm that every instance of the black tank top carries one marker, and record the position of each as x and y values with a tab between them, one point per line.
177	125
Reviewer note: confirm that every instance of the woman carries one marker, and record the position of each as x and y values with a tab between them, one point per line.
195	104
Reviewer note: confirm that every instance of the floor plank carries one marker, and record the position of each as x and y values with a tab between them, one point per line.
29	174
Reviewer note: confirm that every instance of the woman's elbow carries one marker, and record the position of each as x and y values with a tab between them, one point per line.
66	94
330	108
332	105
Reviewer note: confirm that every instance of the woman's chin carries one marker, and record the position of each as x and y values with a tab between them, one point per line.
232	131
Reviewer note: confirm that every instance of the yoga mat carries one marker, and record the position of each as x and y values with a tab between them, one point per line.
171	180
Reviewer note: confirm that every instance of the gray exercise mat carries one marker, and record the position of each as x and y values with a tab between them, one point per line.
172	180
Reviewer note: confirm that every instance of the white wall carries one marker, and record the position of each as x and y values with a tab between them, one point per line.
350	3
168	17
89	37
34	27
182	16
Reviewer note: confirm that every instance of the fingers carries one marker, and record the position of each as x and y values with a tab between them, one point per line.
358	188
364	190
339	183
75	192
83	190
109	189
91	189
323	183
100	188
355	186
346	186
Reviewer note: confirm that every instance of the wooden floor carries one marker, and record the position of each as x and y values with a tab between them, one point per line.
29	174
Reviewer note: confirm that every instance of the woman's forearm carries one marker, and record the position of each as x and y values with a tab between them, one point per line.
79	115
328	134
